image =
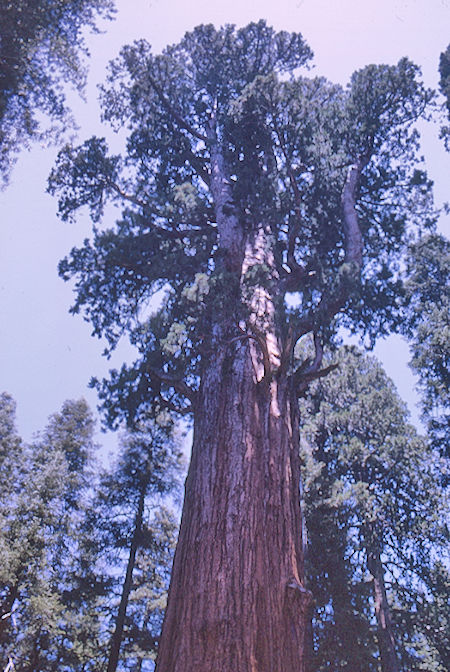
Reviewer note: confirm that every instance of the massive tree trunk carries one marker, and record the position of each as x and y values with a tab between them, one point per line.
236	600
385	633
237	579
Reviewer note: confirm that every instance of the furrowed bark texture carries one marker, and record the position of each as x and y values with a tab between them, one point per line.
236	597
236	600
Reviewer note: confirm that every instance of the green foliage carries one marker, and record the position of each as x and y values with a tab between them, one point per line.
148	599
428	331
65	537
371	487
41	49
285	143
46	555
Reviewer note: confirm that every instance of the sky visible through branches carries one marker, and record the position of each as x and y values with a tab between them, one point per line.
46	355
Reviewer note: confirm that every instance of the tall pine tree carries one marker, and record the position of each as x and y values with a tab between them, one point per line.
44	553
133	515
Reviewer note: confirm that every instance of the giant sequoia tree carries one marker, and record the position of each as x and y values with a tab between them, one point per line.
260	206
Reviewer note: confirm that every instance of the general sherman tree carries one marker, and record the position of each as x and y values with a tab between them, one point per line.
257	206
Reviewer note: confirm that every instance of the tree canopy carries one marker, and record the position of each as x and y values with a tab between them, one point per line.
67	531
286	144
428	331
444	85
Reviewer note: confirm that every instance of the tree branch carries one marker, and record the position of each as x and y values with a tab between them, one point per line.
178	384
298	272
127	197
179	119
333	300
256	336
352	232
307	372
198	164
167	403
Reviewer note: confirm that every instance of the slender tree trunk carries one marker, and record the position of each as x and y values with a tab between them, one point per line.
385	633
126	589
236	601
6	607
33	665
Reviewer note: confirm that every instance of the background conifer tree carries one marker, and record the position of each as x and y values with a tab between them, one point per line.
428	332
132	507
376	519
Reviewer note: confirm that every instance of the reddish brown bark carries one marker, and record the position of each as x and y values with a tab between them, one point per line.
236	598
237	601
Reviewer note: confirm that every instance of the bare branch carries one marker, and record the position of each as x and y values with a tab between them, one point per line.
127	197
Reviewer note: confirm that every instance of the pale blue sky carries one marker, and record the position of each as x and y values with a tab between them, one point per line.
47	356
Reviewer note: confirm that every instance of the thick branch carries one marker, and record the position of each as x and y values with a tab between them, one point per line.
352	232
229	227
198	164
308	378
298	272
256	336
334	299
307	372
178	384
259	338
